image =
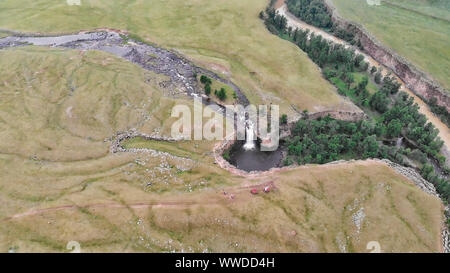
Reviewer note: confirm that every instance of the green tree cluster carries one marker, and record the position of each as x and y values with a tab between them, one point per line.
397	117
221	94
207	83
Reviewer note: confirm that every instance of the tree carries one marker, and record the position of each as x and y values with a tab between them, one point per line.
358	59
261	15
394	128
390	85
370	147
380	129
221	94
204	79
283	119
359	45
295	35
364	66
373	70
207	89
362	85
378	77
348	78
311	11
426	170
419	156
378	101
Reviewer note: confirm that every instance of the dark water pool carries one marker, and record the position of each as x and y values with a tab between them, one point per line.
254	160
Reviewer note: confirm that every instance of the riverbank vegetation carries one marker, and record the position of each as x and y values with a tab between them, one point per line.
60	108
392	113
219	91
440	111
314	12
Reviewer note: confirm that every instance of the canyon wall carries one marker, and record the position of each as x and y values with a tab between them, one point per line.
413	78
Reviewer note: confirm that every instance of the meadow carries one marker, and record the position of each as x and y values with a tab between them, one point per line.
60	183
60	110
226	36
418	30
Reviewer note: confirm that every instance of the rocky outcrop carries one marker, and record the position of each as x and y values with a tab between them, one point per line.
416	80
446	232
132	133
429	188
414	176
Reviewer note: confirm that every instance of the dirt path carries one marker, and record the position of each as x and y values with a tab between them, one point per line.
107	205
294	22
239	193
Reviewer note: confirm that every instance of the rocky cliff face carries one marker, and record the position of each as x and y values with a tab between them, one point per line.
414	79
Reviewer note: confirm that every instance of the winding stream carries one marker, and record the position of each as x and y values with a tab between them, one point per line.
181	71
182	74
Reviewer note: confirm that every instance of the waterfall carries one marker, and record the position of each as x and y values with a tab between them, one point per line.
249	135
399	142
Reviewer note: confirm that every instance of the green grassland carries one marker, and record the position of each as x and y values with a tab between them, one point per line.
417	30
59	109
436	8
224	33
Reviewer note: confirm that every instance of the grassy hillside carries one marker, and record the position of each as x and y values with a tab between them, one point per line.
60	183
435	8
417	30
227	36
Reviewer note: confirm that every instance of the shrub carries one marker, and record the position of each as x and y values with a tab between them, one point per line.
283	119
373	70
221	94
205	80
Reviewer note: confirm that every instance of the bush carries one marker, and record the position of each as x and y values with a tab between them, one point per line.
226	155
205	80
378	76
288	161
419	156
221	94
283	119
207	89
329	73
